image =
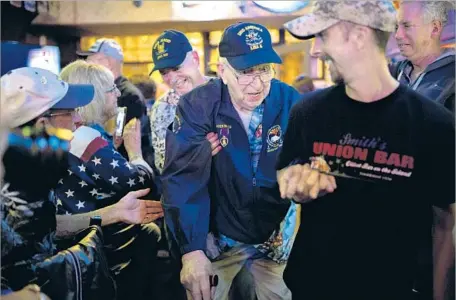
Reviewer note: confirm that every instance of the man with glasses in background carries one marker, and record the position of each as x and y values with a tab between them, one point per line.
225	212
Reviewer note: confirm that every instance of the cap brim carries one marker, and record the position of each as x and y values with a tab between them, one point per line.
169	63
85	54
307	26
78	95
254	58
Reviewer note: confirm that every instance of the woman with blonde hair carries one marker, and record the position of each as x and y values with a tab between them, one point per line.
104	105
100	176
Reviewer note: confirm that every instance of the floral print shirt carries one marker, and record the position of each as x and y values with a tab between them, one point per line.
161	116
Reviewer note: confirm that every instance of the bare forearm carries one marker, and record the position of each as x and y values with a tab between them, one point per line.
71	224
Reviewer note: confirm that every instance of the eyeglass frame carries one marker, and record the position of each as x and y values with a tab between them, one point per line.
254	76
67	112
113	89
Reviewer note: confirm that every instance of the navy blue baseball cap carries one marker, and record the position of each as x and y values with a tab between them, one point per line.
170	50
246	45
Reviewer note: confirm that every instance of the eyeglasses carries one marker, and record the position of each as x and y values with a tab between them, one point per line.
114	89
56	113
246	77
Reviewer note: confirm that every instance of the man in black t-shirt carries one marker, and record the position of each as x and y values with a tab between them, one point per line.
368	158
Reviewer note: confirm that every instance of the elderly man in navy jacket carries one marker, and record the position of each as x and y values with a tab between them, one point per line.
225	212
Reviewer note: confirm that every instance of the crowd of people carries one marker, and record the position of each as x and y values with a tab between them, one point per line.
237	185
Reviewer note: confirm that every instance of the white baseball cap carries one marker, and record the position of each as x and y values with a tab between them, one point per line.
29	92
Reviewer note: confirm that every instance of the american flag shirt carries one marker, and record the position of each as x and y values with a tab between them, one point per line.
97	175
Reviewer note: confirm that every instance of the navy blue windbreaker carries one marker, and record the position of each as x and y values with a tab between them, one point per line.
221	194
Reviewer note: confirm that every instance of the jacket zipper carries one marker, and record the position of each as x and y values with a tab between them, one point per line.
251	162
78	275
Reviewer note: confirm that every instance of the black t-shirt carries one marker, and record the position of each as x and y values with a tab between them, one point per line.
363	240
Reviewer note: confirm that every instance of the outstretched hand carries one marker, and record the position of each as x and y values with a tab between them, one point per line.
133	210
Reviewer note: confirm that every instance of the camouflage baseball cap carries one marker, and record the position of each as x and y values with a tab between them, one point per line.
375	14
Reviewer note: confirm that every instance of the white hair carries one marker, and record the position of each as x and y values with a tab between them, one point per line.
82	72
188	56
223	60
436	11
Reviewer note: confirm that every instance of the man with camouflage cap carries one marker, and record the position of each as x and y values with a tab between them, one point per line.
369	161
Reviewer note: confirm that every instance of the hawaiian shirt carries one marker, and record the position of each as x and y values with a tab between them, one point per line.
161	117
